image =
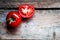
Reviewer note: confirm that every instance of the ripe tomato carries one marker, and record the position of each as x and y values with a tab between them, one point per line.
13	19
26	10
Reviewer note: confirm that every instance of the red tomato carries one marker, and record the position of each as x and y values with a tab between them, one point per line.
13	19
26	11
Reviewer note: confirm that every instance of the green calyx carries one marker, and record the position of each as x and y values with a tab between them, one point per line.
12	19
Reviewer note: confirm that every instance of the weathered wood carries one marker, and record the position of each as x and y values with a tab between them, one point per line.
35	3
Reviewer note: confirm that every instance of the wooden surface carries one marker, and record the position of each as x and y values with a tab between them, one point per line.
35	3
44	25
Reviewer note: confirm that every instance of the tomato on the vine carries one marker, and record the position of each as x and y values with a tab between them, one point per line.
26	10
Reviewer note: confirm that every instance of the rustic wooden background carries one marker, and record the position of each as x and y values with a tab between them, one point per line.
44	25
36	3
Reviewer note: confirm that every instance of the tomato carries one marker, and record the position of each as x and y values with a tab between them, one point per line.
13	19
26	10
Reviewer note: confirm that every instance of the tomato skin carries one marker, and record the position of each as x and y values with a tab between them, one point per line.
26	14
13	19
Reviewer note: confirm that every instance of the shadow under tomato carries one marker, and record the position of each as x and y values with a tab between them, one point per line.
26	20
10	29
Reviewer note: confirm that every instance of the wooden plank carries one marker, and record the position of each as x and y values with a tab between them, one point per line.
35	3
